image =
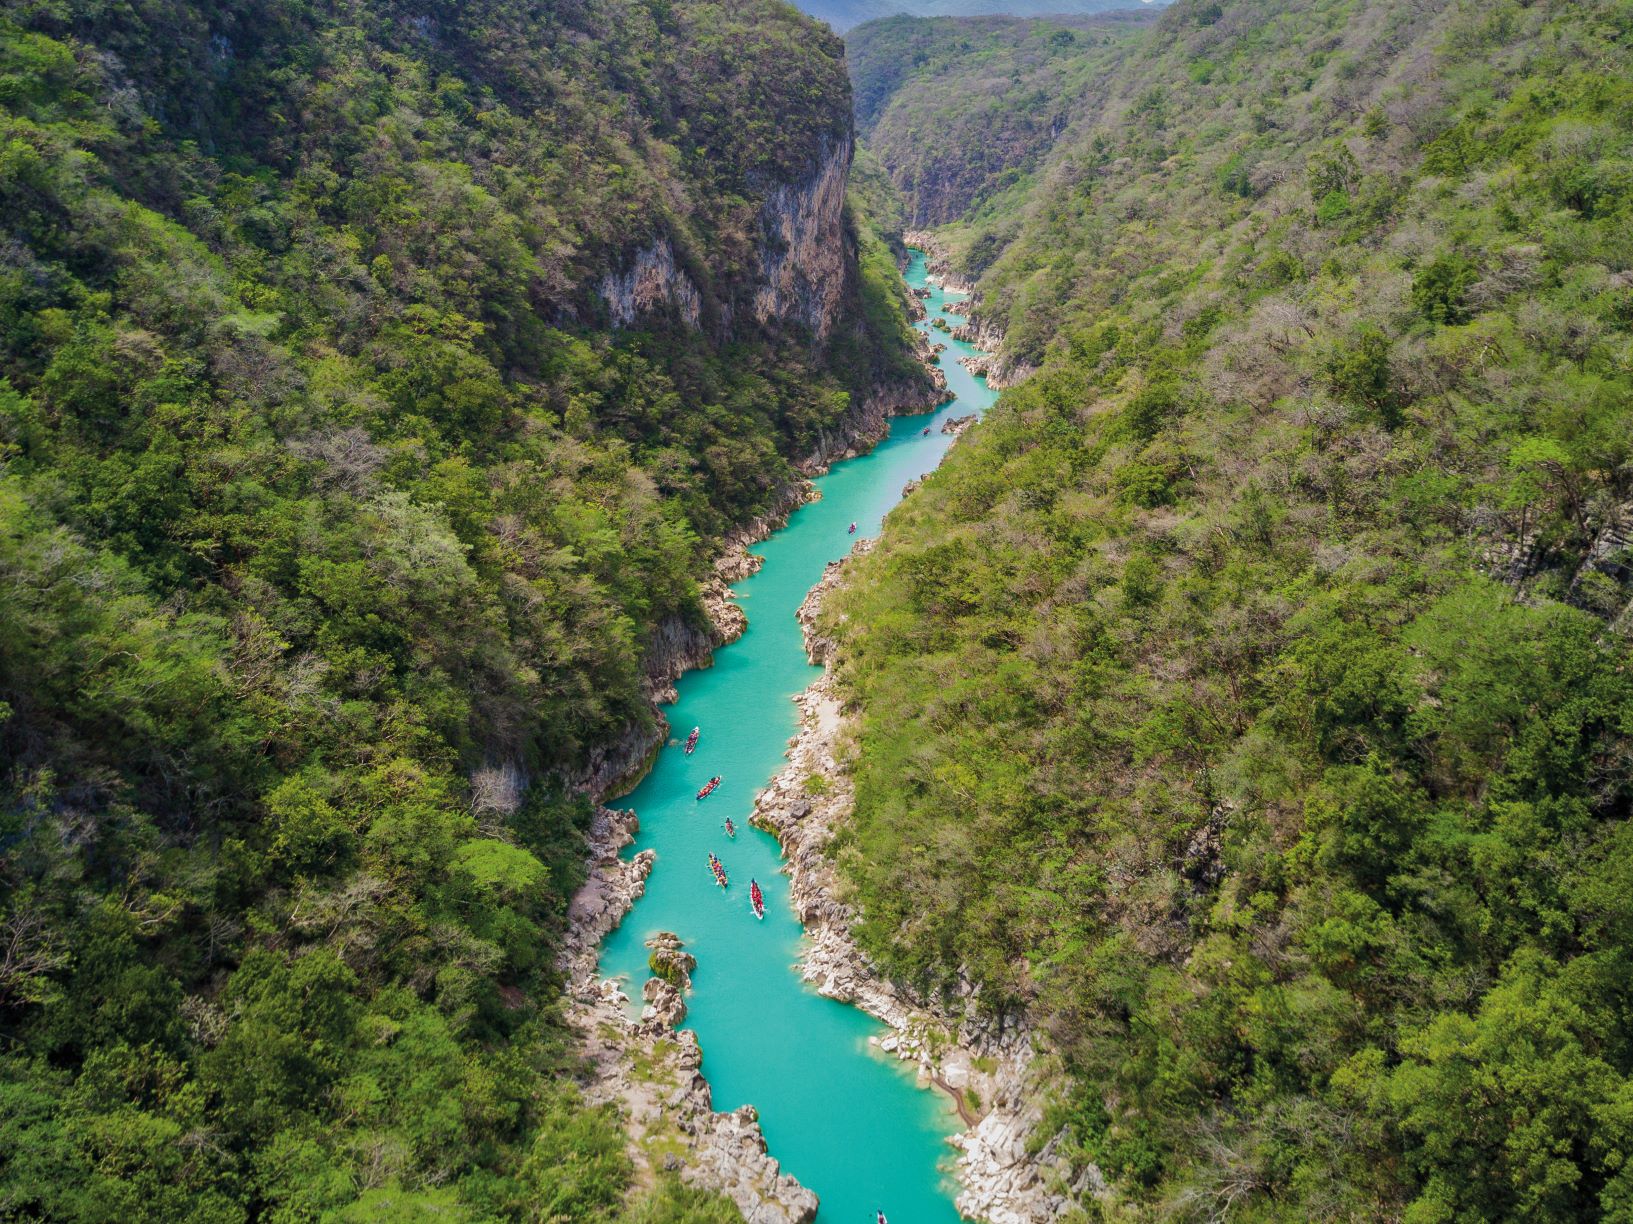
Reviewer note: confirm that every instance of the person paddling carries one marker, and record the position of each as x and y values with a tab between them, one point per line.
853	529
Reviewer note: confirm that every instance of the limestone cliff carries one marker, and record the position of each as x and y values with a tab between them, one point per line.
654	282
806	260
801	270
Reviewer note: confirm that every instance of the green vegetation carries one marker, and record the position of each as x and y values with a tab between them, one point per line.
1249	697
332	513
960	111
874	211
843	14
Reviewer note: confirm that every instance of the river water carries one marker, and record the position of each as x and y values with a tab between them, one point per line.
846	1120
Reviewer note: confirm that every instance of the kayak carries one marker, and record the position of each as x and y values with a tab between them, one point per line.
691	741
757	899
731	829
719	871
709	789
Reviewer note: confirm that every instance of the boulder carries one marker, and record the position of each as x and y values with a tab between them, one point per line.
663	1003
670	961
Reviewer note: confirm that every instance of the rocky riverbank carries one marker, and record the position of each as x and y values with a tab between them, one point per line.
938	264
864	428
999	370
679	644
996	1075
985	334
650	1071
646	1067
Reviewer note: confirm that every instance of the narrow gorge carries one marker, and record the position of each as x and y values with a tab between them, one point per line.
837	1118
541	681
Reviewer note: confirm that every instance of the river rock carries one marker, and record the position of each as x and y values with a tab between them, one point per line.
664	1003
957	425
667	1106
669	961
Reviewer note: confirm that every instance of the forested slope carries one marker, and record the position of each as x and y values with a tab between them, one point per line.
963	111
337	518
842	15
1248	698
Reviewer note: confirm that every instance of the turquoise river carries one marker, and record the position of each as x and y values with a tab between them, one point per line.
846	1120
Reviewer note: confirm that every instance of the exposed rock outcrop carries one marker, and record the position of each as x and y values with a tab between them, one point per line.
1000	371
666	1103
804	254
994	1073
803	263
652	283
664	1004
670	962
863	428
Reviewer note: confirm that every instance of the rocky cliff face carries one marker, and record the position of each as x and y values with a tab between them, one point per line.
805	255
803	262
653	283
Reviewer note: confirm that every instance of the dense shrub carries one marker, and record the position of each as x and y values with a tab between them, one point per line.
1247	698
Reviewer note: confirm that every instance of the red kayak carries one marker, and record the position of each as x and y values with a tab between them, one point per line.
756	898
709	789
691	741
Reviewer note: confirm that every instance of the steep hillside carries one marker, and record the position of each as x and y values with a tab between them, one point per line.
374	380
961	111
842	15
1247	701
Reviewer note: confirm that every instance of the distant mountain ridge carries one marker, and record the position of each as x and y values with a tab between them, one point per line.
844	14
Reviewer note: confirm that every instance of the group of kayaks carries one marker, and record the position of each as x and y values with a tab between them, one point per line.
716	867
756	898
